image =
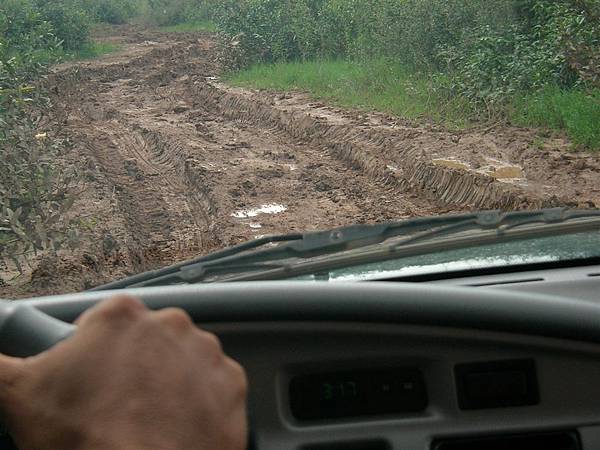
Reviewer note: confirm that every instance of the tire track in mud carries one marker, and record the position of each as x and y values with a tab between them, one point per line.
384	158
166	211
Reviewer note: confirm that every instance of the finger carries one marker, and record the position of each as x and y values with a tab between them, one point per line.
209	344
175	318
118	307
238	376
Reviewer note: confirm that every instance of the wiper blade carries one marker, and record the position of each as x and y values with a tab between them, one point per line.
500	221
444	239
305	245
142	278
310	245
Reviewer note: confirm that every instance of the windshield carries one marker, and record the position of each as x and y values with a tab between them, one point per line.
138	134
580	246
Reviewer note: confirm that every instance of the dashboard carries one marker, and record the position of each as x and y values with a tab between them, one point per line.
399	366
370	387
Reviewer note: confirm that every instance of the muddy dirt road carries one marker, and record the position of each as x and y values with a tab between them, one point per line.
173	163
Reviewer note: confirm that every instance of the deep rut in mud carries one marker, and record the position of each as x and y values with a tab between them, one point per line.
174	164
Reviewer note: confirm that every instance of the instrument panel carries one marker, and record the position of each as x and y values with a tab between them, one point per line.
317	386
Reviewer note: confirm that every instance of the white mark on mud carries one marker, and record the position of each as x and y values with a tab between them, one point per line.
264	209
255	226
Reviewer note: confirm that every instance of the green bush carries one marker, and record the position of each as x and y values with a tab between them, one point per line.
433	35
412	30
33	195
173	12
70	21
490	66
27	41
113	11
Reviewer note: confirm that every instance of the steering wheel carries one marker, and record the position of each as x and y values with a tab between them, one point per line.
26	331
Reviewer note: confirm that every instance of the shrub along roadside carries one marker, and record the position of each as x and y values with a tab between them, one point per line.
190	27
112	11
34	195
174	12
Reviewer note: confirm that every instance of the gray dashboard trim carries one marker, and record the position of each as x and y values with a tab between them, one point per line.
381	302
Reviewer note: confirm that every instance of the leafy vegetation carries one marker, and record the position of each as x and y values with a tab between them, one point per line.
112	11
189	27
34	196
174	12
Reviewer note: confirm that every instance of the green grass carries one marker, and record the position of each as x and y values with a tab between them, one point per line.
89	51
93	50
577	112
375	86
190	27
388	87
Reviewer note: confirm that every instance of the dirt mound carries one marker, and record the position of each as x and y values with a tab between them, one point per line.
173	164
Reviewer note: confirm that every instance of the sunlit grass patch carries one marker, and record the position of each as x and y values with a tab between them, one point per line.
190	27
575	111
94	50
378	85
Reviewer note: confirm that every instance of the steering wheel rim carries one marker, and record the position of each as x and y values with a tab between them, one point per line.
30	326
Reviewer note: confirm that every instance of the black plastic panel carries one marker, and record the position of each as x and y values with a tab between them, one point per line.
6	443
539	441
497	384
357	393
353	445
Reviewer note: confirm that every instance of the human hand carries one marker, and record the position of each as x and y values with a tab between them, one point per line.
128	379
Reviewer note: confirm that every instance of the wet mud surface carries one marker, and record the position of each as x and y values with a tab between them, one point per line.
173	163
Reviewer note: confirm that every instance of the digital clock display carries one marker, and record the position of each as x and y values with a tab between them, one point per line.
357	393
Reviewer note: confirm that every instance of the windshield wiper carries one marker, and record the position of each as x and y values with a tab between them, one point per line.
173	269
256	263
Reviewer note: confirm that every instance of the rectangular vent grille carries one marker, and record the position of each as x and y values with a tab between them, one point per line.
500	283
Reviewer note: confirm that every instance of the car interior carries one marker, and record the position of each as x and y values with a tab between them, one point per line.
485	361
